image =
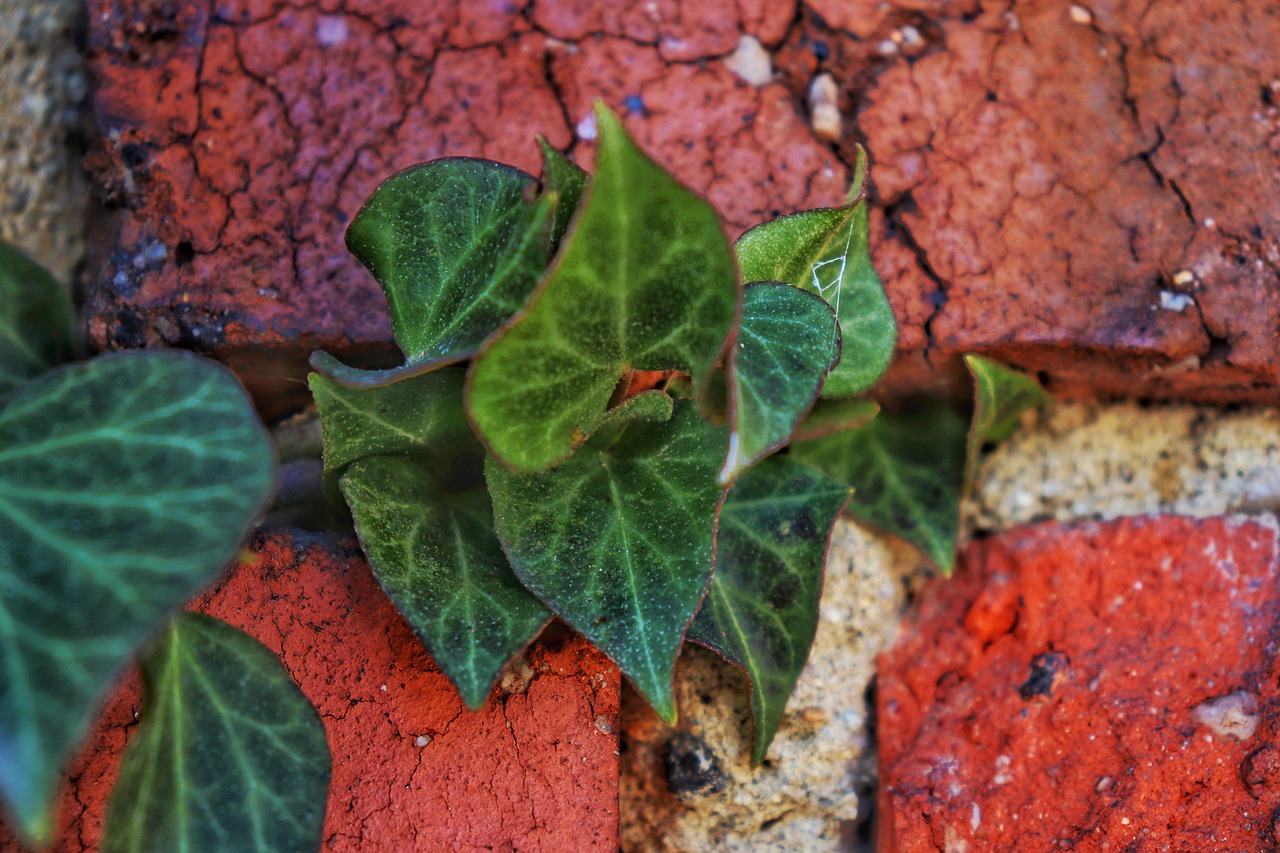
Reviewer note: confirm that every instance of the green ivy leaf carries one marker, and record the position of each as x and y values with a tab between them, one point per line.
438	559
645	280
126	484
563	180
457	247
229	756
787	343
832	416
907	472
826	251
36	320
618	540
761	610
1001	396
651	406
420	417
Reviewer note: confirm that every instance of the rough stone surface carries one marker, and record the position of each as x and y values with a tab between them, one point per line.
239	138
536	769
42	90
693	788
1098	200
1109	686
1082	461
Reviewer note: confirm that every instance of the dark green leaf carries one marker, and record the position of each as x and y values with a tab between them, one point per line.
36	317
457	246
831	416
561	178
230	757
1000	396
826	251
761	610
618	540
787	343
907	472
420	417
645	280
438	559
126	484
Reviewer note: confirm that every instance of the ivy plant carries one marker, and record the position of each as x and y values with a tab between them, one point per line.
512	470
127	483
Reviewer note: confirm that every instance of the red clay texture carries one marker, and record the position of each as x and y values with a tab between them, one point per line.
1089	190
535	769
1109	686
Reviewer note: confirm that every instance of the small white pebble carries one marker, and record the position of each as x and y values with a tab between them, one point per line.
1233	715
911	36
1184	277
422	740
824	111
1124	821
751	62
603	725
383	688
1081	15
1210	223
1171	301
887	47
586	128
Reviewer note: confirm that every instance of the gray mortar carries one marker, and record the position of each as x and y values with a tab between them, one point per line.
42	92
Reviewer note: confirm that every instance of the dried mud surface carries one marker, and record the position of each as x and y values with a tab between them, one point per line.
1091	192
535	769
1104	686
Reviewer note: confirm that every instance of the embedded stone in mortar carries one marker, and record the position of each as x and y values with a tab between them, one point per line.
807	791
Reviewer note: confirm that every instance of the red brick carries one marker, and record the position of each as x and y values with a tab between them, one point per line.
1052	695
535	769
1043	183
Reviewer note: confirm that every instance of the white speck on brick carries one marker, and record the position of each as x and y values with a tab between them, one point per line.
1081	15
751	62
422	740
1233	715
586	129
1171	301
331	30
824	111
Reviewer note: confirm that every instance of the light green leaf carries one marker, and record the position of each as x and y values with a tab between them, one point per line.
761	610
653	406
907	472
644	280
440	562
562	179
230	757
831	416
420	417
36	320
787	343
457	245
826	251
126	484
618	540
1000	397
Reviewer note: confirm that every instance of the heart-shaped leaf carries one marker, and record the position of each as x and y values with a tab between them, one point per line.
457	245
440	562
126	484
36	318
565	183
907	472
761	610
644	280
826	251
787	343
420	417
1000	396
619	540
831	416
229	756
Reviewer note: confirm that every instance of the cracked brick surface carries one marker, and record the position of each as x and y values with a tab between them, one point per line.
1105	686
536	769
1096	198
